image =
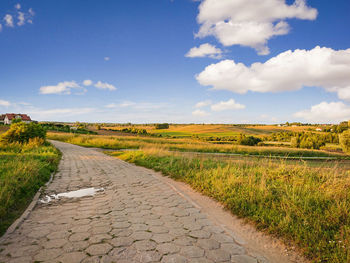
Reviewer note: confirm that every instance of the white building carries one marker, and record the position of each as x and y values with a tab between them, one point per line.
9	117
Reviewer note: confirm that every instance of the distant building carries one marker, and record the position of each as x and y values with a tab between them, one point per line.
318	129
9	117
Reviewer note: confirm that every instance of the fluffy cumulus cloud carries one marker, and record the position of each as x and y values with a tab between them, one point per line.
4	103
200	113
87	82
203	103
21	19
204	50
332	112
64	87
8	20
18	17
231	104
105	85
249	22
288	71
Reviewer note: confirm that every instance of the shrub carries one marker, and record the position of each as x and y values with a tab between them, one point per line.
162	126
248	140
22	132
344	140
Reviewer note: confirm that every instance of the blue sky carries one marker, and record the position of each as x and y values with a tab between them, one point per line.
176	61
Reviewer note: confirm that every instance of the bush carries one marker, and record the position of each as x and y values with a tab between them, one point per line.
248	140
344	140
162	126
22	132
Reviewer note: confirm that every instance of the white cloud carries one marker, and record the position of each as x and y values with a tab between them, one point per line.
21	19
57	113
288	71
200	113
87	82
126	104
332	112
227	105
4	103
61	88
204	50
137	105
203	103
8	20
104	85
249	22
120	105
111	106
106	58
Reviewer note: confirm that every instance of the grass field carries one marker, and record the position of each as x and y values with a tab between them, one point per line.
307	207
217	130
23	170
183	144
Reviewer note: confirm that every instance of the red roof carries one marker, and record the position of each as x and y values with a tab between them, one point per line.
12	116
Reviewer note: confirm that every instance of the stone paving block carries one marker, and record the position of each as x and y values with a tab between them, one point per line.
218	255
145	245
162	238
55	243
208	244
243	259
98	249
73	257
167	248
199	234
147	256
174	259
192	252
48	254
99	238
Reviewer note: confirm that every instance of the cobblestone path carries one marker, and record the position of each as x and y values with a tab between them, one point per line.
137	218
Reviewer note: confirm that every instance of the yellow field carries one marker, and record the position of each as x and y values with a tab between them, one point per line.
219	130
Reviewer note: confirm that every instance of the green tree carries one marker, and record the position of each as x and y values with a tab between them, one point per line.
344	140
162	126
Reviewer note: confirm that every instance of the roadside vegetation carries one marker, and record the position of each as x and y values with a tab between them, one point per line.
308	207
26	163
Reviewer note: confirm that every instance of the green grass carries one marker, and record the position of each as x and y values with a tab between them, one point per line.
23	170
307	207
